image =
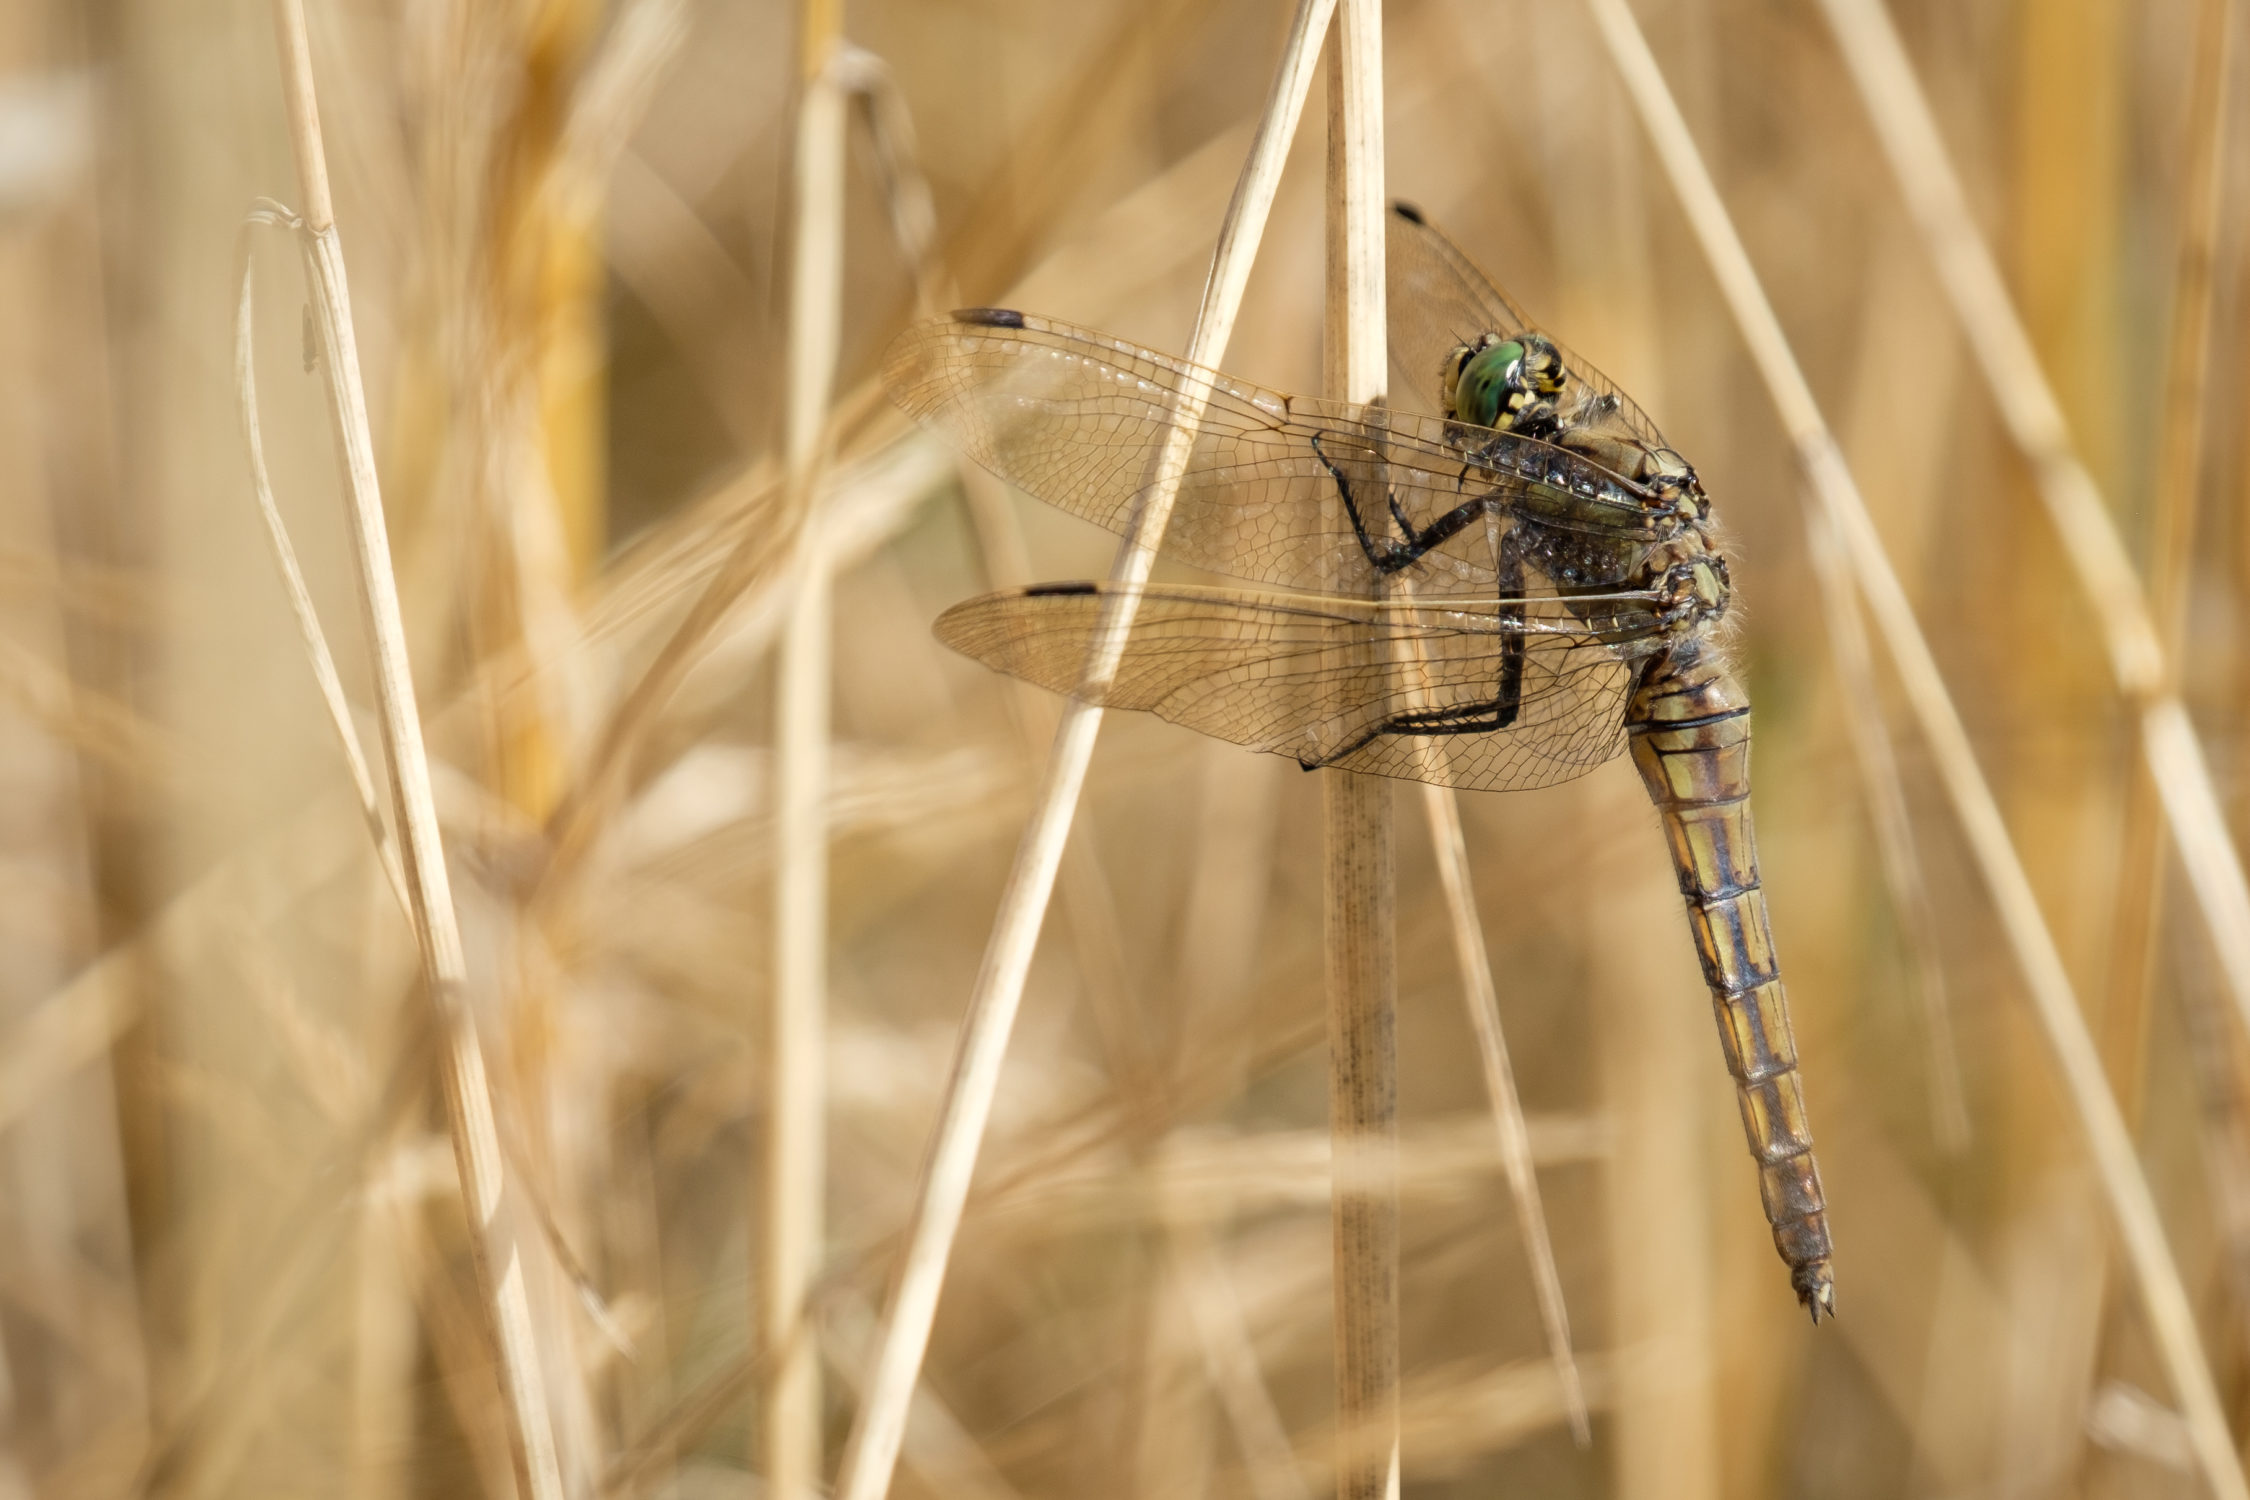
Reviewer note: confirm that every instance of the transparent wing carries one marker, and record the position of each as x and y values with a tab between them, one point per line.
1390	689
1281	490
1439	301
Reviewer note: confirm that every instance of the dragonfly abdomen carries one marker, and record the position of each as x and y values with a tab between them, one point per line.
1690	726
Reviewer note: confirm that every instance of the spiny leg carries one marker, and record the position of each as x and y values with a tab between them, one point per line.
1387	555
1485	716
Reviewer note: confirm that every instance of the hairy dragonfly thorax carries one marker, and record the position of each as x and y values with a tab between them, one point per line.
1521	385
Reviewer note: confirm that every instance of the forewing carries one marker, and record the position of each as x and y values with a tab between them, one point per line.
1439	300
1312	678
1080	420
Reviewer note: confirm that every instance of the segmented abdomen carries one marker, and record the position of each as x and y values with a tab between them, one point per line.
1690	726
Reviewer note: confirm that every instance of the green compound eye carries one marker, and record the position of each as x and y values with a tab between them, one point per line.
1490	377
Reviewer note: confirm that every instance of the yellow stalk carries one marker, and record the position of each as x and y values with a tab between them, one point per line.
791	1179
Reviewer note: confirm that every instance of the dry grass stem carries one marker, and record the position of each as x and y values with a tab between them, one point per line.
2141	870
1361	915
855	1089
1903	875
898	165
764	538
2120	607
2124	1185
1223	1334
301	610
505	1304
791	1179
1481	997
1230	1360
872	1450
937	1447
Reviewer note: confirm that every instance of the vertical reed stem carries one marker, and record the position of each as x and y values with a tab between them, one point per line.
796	1143
871	1453
1363	1120
476	1142
1361	927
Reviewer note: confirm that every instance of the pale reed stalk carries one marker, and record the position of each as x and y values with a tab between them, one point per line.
1231	1359
792	1178
2164	1298
502	1297
871	1453
1893	826
2139	886
1361	924
762	540
2119	609
1481	996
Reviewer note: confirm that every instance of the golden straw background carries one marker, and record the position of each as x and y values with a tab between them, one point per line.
233	1253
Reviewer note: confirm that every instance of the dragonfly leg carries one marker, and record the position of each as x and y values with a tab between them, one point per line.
1465	718
1485	717
1388	555
1383	554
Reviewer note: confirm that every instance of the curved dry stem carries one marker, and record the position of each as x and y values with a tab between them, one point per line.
898	166
871	1453
268	214
2124	1186
1482	998
503	1296
2121	610
1894	829
2139	883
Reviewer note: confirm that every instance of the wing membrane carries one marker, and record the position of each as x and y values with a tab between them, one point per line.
1438	299
1317	677
1271	482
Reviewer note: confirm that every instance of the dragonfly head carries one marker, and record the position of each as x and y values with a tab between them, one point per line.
1496	382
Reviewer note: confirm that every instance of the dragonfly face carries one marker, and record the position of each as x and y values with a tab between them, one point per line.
1505	383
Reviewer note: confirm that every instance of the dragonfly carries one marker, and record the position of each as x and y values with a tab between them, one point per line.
1499	594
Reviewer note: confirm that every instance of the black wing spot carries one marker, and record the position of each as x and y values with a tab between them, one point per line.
1048	590
989	317
1408	212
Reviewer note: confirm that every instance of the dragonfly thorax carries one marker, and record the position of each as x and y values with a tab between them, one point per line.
1672	480
1696	591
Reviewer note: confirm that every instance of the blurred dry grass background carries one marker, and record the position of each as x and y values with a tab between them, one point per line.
232	1254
